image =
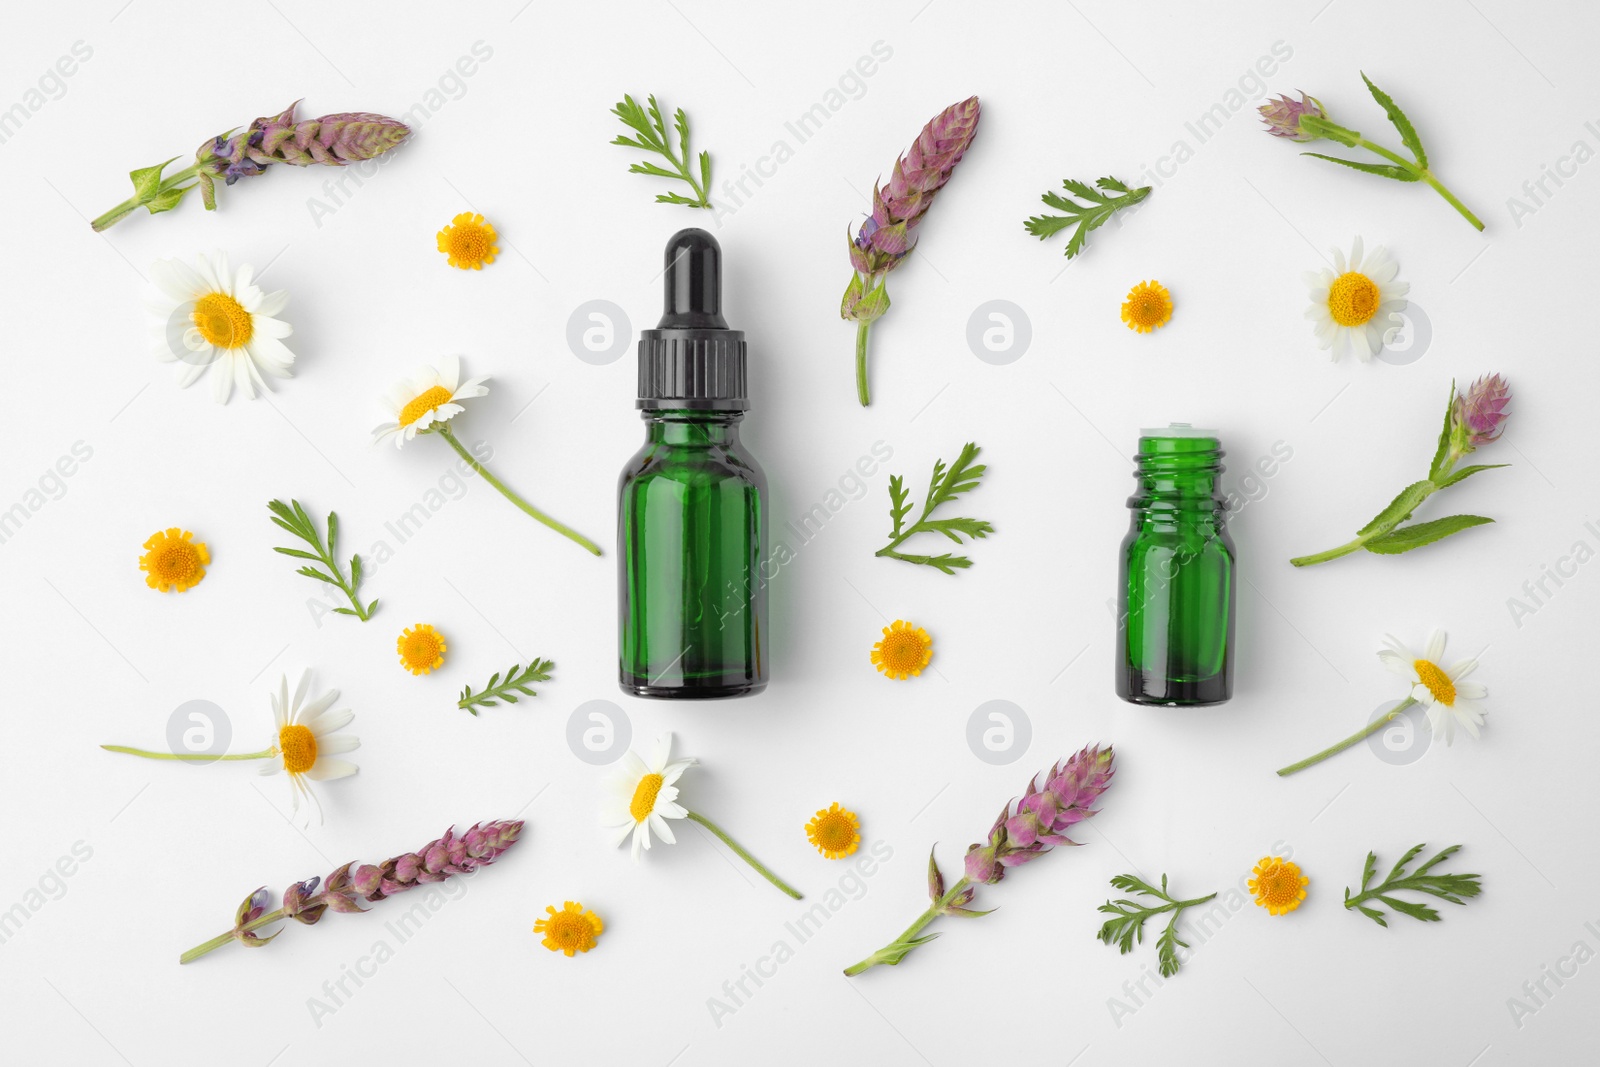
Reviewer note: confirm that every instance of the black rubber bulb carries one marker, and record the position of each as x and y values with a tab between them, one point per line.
692	299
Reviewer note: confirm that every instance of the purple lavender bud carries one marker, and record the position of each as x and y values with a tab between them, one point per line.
890	233
1282	116
1481	412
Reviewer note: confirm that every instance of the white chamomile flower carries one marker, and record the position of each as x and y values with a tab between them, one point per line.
1442	690
644	796
1354	306
209	316
306	739
427	397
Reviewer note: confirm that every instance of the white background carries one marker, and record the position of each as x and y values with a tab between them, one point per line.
1499	92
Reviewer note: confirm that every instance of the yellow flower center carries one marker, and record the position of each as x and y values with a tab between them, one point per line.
1352	299
833	832
570	930
468	241
299	748
1438	682
421	649
222	320
1148	307
173	561
904	650
176	562
644	797
1278	886
423	404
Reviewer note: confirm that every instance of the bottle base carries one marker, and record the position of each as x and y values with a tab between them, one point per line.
691	692
1137	688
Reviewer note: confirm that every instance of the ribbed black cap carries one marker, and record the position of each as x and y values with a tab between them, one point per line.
691	359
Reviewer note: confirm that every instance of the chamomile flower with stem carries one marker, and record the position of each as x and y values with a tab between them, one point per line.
210	316
644	797
306	742
425	403
1450	699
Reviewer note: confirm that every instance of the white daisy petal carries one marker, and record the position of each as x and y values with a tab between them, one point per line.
337	745
1435	650
1471	690
328	769
662	830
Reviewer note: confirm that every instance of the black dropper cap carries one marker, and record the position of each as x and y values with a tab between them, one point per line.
691	359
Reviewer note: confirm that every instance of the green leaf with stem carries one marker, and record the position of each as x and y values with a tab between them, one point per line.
1086	217
1382	170
1129	916
947	484
518	679
1408	133
1454	888
651	128
293	518
1405	538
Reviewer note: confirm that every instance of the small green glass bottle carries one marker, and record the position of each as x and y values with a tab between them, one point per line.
691	528
1175	617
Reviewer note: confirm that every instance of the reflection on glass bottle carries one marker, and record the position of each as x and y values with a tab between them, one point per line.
1175	617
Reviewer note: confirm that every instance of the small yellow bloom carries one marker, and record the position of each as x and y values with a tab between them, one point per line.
421	648
1148	307
1278	885
836	832
174	560
469	241
904	650
570	930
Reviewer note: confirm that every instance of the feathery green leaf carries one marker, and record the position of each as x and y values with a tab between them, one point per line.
945	485
294	518
1086	217
1452	888
518	679
653	137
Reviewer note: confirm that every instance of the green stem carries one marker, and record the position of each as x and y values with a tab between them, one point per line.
116	214
1332	553
1424	175
739	851
263	754
862	329
895	950
222	939
1360	735
1450	198
568	532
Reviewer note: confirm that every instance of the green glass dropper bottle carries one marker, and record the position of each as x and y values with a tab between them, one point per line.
691	523
1175	617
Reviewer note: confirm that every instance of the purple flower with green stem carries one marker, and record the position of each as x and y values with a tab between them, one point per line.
1473	418
1305	120
330	140
886	238
1026	829
345	890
